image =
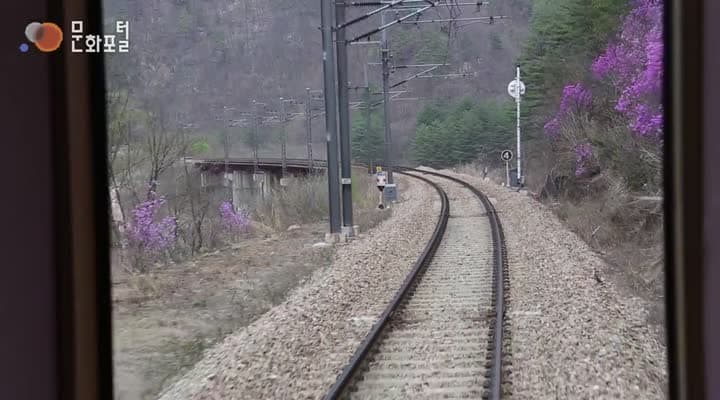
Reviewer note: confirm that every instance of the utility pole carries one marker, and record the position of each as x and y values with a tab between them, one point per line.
254	136
517	102
385	51
368	121
283	137
226	180
344	113
227	123
368	113
308	127
326	17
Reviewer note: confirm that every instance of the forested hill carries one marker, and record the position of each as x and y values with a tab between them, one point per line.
190	59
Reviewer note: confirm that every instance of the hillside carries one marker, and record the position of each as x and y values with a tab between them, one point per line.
191	59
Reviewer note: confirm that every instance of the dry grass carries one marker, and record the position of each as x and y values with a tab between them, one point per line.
164	319
497	175
305	200
626	230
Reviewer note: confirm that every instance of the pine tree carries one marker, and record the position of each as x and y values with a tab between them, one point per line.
452	135
367	140
565	36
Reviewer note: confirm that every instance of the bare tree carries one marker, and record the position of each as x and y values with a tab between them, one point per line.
163	148
117	130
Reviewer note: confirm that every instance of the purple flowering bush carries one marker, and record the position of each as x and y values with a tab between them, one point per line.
148	234
233	222
583	155
570	124
575	99
634	66
629	74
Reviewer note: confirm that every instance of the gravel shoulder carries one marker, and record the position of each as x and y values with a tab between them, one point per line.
296	350
575	333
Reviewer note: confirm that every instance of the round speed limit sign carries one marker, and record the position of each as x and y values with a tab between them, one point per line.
506	155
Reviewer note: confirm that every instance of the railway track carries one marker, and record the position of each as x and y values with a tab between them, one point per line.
442	334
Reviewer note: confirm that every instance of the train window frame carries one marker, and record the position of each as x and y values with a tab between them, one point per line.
56	311
89	298
82	287
683	198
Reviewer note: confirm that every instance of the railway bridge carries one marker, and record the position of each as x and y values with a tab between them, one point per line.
257	176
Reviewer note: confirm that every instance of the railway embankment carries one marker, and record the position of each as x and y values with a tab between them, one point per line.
576	333
296	350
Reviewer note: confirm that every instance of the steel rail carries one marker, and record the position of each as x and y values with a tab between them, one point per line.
499	278
422	262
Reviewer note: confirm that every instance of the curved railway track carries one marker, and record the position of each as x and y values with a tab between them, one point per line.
442	335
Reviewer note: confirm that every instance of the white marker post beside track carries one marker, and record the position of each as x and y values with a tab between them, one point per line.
381	182
506	156
516	89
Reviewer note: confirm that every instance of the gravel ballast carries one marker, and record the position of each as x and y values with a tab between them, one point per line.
435	345
574	335
297	349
